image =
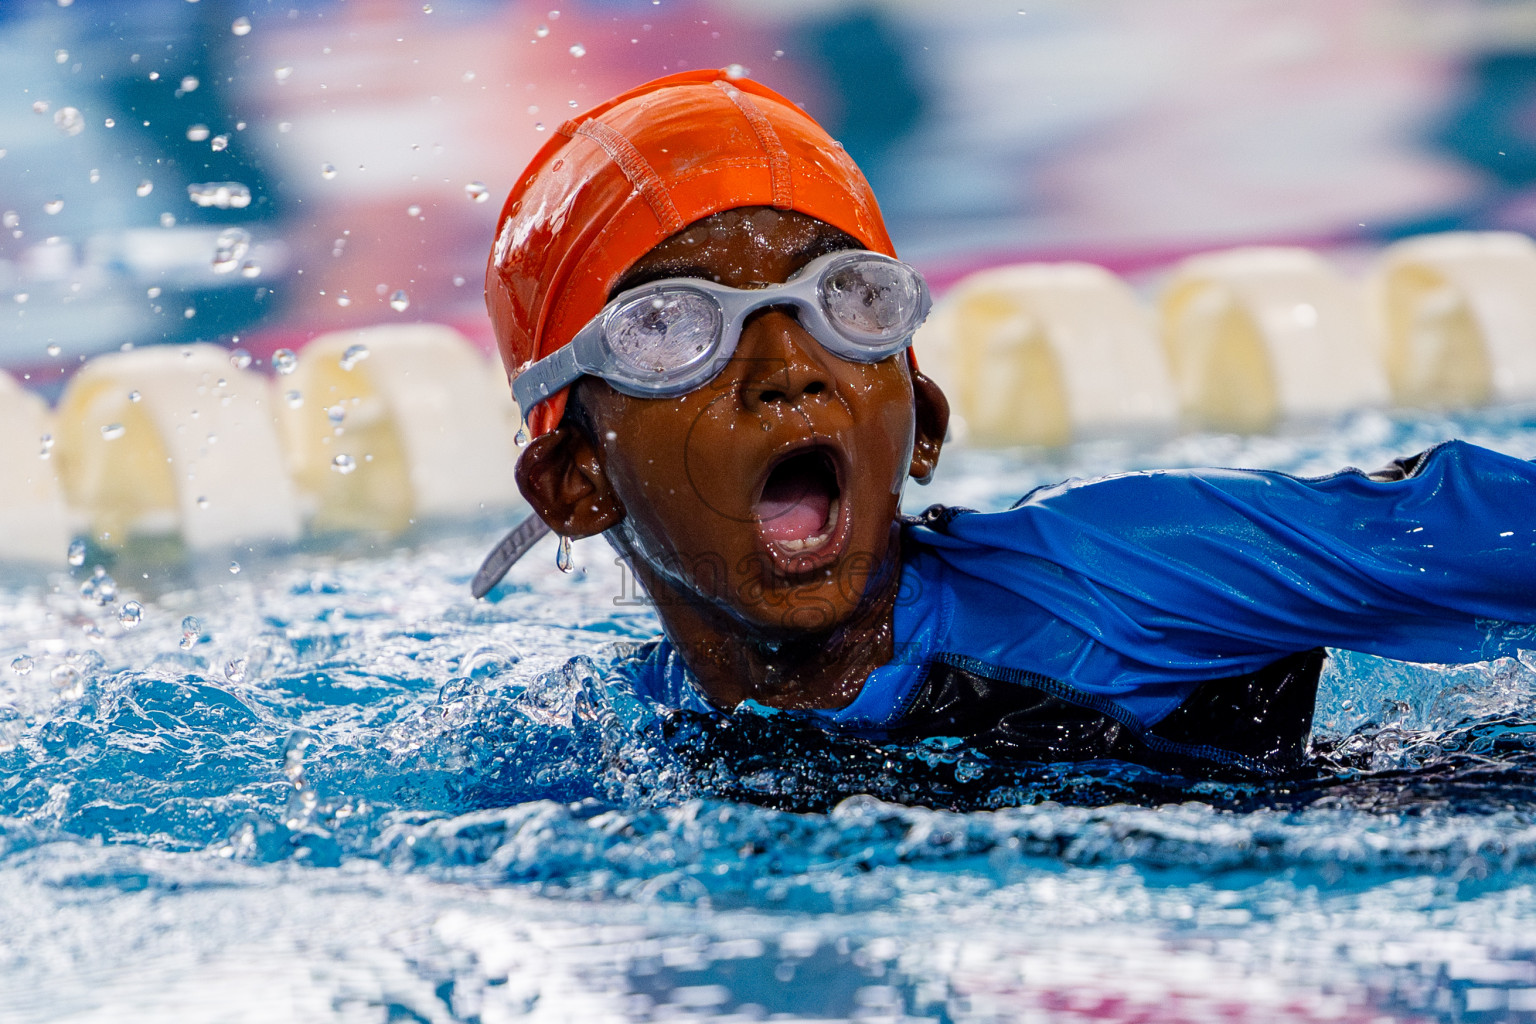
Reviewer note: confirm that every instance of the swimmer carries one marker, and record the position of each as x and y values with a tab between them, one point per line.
708	328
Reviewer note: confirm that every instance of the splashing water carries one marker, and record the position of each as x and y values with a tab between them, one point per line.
229	248
353	355
131	614
220	195
69	120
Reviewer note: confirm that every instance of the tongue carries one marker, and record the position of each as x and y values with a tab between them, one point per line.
794	508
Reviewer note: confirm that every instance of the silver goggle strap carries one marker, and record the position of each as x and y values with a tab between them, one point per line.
506	553
547	376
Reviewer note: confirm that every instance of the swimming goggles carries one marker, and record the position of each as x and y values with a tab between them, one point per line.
666	338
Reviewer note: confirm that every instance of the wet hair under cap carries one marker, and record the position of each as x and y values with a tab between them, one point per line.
621	178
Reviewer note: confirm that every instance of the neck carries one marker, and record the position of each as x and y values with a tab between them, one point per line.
735	661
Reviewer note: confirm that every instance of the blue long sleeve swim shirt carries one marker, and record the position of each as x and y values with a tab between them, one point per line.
1126	593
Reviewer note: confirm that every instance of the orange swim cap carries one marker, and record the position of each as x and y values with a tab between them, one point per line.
617	180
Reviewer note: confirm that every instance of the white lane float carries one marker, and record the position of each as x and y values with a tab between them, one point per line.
34	521
1041	353
1455	317
174	440
1257	335
385	426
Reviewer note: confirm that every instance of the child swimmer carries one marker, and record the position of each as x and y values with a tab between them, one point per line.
706	325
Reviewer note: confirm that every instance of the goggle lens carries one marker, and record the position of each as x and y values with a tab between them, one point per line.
664	332
872	301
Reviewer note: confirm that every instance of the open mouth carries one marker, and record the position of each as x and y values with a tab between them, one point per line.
800	506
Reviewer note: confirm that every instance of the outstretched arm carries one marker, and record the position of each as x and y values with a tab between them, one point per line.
1188	574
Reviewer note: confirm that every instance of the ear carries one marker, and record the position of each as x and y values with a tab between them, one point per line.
561	474
932	424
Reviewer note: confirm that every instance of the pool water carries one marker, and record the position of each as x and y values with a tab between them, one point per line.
327	785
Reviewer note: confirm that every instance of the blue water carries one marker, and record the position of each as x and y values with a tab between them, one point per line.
348	792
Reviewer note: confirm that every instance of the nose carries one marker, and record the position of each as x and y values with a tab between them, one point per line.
784	364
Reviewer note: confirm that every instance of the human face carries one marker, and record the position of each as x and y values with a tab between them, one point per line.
771	493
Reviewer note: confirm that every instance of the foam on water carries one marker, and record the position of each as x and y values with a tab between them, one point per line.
356	794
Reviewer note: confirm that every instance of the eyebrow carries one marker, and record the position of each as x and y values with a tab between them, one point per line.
823	243
636	278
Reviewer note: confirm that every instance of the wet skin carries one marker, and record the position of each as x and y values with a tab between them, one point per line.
678	483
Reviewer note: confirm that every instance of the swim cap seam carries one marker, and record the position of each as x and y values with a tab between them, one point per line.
642	176
778	157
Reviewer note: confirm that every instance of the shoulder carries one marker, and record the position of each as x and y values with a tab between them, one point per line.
658	674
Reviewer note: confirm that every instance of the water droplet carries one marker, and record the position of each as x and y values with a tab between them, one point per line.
94	176
234	670
11	219
221	195
241	26
229	248
477	191
399	301
563	555
40	107
343	300
577	50
219	143
542	31
53	348
343	464
61	56
327	171
250	268
521	437
198	133
202	502
46	442
191	631
112	431
736	71
99	588
21	297
282	73
134	396
336	414
538	126
53	205
234	568
189	83
293	398
68	681
76	555
167	220
145	188
413	210
284	361
69	120
240	358
426	8
130	614
353	355
22	664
